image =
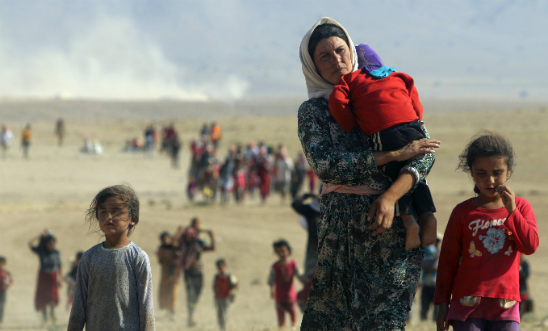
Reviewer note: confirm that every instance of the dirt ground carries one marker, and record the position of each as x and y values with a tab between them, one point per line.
52	189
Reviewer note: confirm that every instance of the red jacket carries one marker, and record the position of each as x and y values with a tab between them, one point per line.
489	242
374	104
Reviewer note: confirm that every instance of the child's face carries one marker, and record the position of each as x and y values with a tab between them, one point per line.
221	268
2	265
50	245
282	252
166	240
113	217
488	173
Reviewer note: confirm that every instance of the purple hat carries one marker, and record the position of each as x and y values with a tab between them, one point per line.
368	59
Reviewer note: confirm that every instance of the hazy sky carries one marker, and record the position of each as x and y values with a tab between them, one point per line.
224	49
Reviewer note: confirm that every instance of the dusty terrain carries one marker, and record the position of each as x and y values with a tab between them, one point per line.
52	189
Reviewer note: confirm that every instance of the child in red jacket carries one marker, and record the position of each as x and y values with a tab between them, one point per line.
477	285
280	279
385	104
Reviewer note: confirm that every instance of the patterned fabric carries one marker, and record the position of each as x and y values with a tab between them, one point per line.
362	282
113	291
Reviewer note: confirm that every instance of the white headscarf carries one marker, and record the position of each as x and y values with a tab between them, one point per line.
316	85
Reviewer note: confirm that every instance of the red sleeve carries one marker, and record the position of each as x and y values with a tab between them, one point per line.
523	225
339	104
414	95
450	255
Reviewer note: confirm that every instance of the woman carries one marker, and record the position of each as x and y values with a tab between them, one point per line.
167	257
365	279
191	248
47	294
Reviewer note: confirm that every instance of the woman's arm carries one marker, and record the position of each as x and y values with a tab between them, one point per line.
34	240
350	168
211	246
382	209
328	163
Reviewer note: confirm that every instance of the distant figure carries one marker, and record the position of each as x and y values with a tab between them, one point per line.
283	170
297	176
167	257
175	147
6	136
312	180
204	132
25	141
150	140
526	304
428	279
308	207
224	286
264	166
280	280
60	131
91	146
114	280
49	276
70	279
215	135
191	248
5	282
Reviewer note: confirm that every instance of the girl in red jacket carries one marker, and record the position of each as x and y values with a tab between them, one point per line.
477	285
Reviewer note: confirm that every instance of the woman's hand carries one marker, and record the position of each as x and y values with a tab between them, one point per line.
381	213
382	209
422	146
508	197
441	321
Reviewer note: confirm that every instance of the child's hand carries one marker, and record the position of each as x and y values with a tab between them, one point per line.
442	324
508	197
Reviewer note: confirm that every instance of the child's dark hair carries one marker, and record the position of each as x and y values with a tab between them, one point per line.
44	240
2	259
79	255
281	243
220	262
163	234
485	144
123	192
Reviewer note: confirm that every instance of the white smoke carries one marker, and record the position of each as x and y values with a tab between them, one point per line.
110	61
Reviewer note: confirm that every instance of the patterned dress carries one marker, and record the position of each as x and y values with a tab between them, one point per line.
362	282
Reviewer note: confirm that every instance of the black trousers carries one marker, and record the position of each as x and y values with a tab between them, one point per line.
427	299
394	138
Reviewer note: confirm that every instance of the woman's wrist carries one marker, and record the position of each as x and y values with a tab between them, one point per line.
385	157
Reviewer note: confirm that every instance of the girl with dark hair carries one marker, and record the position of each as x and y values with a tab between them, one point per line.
477	285
49	276
114	282
280	280
365	278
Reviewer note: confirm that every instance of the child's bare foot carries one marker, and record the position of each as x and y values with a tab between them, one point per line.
429	226
412	239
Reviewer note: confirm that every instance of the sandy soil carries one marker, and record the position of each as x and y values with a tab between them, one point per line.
52	189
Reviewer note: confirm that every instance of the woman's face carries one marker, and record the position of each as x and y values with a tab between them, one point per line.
332	58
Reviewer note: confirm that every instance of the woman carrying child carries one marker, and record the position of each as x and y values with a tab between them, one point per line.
477	286
114	281
49	276
365	278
